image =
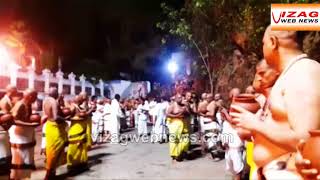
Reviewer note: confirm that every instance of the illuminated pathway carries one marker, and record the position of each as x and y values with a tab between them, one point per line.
140	161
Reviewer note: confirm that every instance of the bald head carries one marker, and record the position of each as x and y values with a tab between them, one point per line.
30	96
53	92
84	96
234	92
78	99
209	97
108	101
277	44
281	34
178	98
203	96
217	96
11	90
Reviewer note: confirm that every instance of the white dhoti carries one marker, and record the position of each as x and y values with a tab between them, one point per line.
234	160
160	129
274	171
142	127
207	124
95	128
136	118
22	141
5	152
113	126
43	138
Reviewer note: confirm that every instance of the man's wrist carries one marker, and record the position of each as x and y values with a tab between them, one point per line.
258	126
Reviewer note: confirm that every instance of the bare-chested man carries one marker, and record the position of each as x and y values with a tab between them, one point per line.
208	120
264	79
202	110
89	108
178	129
22	137
211	110
192	108
6	105
288	117
77	155
55	133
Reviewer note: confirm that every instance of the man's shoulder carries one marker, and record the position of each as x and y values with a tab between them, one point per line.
304	70
20	104
306	64
212	103
49	99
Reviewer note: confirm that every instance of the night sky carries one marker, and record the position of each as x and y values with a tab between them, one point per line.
99	34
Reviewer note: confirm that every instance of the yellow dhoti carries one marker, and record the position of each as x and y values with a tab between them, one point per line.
88	132
56	139
77	154
178	137
249	158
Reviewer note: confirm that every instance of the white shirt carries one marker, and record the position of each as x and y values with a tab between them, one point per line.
142	116
107	110
161	109
116	109
152	107
98	113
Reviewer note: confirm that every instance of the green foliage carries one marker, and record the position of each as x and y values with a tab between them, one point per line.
214	28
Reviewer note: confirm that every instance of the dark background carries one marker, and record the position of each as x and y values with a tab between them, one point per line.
97	37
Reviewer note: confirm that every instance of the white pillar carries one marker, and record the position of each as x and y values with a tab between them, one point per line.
93	90
72	77
31	77
46	73
83	83
13	70
101	84
59	76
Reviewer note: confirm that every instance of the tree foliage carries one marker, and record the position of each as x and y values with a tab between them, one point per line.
217	27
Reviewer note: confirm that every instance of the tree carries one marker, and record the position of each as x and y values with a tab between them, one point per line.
176	24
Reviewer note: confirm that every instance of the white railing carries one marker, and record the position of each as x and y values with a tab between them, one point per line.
69	86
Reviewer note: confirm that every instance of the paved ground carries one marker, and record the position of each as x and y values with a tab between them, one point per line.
139	161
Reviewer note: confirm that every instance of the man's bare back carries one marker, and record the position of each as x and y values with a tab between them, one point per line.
50	108
211	110
202	107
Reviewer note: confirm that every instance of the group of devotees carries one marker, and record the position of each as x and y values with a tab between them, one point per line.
286	85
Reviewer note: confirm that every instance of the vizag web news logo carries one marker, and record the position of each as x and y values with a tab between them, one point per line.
295	16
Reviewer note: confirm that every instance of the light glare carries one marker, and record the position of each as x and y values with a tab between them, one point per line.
172	67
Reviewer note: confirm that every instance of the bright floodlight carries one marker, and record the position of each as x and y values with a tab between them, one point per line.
172	67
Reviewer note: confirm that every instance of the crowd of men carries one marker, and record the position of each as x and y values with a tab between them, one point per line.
286	85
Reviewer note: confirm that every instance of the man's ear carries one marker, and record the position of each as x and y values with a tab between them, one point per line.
274	42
